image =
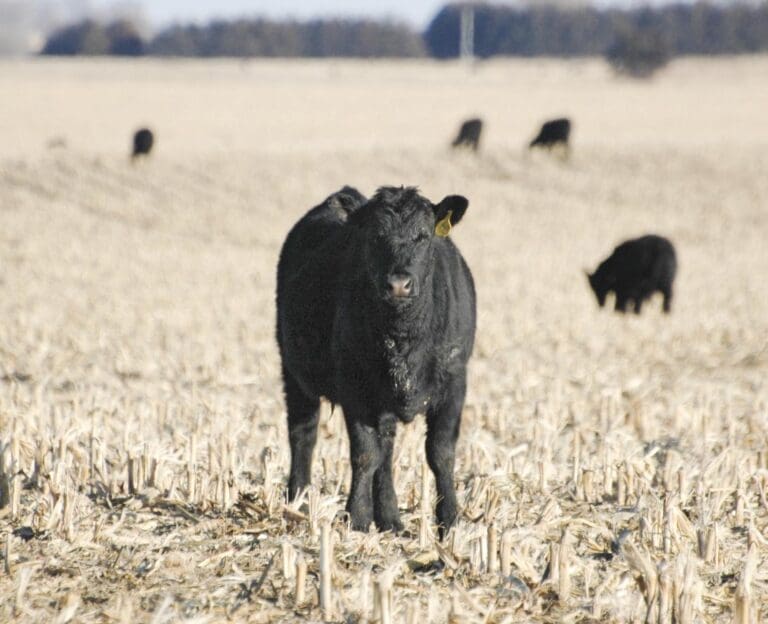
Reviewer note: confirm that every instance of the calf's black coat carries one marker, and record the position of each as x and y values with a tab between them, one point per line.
552	133
143	140
376	312
469	134
635	270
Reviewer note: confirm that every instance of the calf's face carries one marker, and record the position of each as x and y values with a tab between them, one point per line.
399	233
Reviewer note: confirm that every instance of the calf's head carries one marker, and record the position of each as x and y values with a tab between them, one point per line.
398	228
600	285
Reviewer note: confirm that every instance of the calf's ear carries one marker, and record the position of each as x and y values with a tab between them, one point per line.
451	209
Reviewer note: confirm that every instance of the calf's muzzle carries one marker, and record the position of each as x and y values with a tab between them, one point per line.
400	285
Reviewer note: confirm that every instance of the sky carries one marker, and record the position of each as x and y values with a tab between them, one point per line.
416	12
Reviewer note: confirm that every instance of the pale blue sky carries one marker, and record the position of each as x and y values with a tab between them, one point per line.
416	12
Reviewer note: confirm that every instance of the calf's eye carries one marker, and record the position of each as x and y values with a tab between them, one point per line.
421	236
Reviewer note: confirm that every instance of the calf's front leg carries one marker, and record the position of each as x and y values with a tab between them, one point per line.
621	302
365	459
443	422
385	512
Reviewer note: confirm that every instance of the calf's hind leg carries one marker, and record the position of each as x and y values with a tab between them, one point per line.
303	416
443	424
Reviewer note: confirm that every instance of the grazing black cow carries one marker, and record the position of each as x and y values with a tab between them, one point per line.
376	312
553	133
143	140
635	270
469	134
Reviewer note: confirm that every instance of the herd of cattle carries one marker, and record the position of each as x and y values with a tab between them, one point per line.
376	313
553	133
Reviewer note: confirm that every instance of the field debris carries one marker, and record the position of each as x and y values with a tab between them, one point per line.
610	468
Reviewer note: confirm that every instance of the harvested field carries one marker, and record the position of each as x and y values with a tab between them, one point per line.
610	469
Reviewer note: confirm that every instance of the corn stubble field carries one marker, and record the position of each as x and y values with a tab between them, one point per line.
610	468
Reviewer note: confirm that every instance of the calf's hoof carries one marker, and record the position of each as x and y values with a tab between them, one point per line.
360	521
446	518
392	524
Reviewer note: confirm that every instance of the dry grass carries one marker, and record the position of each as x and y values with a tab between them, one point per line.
611	469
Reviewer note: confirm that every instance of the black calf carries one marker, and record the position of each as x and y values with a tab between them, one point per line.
376	312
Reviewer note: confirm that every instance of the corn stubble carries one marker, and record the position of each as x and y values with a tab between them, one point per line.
610	469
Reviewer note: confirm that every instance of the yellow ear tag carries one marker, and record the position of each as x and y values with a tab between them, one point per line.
443	227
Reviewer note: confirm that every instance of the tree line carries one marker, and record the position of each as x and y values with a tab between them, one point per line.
242	38
699	28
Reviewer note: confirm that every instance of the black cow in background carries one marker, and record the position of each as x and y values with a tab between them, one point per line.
143	140
469	134
635	270
376	312
556	132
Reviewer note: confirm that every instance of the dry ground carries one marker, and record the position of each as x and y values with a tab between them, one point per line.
619	461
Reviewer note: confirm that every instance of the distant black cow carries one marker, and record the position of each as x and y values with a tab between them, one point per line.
635	270
469	134
376	312
143	140
553	133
